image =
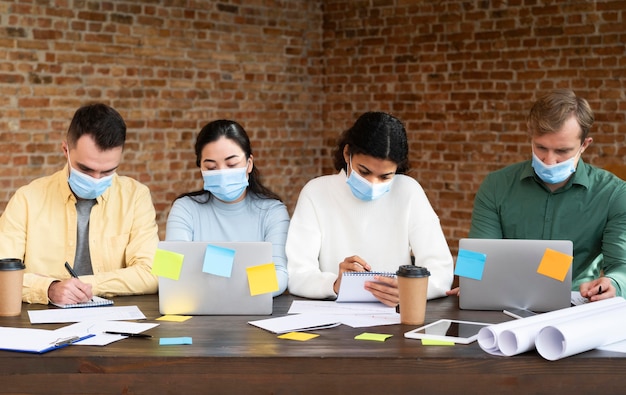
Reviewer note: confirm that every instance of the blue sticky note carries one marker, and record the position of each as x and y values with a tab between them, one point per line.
218	261
470	264
170	341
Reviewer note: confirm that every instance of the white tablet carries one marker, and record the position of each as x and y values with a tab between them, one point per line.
462	332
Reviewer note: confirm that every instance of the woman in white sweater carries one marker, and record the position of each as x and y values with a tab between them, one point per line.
367	217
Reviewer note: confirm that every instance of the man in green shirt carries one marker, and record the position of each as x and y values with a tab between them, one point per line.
556	195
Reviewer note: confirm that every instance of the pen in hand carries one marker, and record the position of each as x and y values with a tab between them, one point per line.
600	290
70	270
72	273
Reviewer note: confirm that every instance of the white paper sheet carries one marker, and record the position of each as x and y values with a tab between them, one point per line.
297	323
330	307
356	315
614	347
112	313
34	340
521	333
98	328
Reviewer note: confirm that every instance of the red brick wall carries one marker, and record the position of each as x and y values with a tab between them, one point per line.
295	73
169	67
463	75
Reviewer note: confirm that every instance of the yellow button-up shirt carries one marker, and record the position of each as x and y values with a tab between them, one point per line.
39	226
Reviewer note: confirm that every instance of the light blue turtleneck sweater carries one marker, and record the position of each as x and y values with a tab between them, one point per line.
252	219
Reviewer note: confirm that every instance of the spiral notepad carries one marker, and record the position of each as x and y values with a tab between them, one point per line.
96	301
352	288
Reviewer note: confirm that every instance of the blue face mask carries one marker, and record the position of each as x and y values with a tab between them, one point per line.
227	184
556	173
365	190
87	187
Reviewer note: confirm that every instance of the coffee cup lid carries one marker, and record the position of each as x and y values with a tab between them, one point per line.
11	264
412	271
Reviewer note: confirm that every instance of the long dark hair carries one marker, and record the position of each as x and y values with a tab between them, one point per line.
376	134
231	130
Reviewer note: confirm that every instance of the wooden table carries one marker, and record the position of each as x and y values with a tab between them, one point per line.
230	356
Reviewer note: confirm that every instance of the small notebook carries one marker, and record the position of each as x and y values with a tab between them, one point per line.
352	287
96	301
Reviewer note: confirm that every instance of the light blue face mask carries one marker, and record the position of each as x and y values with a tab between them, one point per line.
365	190
556	173
87	187
227	184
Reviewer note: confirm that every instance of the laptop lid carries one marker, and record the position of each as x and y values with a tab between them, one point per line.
200	293
510	278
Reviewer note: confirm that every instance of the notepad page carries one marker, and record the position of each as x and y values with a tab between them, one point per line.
95	302
352	287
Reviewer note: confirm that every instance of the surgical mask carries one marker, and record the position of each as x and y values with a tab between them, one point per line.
226	184
365	190
556	173
87	187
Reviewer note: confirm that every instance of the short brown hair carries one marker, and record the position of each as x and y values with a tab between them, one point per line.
550	112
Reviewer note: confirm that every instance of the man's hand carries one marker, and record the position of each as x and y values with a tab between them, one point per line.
598	289
69	291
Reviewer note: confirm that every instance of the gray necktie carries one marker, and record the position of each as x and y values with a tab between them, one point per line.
82	261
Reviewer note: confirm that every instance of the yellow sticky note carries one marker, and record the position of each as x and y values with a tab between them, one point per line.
378	337
300	336
432	342
262	279
555	264
174	318
167	264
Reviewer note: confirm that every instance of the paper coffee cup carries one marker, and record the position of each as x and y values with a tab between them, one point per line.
413	288
11	277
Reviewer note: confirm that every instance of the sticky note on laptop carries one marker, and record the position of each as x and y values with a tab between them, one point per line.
218	261
167	264
555	264
470	264
262	279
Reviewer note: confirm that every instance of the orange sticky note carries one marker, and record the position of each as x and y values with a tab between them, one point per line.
262	279
555	264
299	336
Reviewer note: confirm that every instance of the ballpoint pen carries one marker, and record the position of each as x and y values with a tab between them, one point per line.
70	270
72	273
128	334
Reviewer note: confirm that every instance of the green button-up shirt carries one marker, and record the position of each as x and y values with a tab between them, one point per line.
590	210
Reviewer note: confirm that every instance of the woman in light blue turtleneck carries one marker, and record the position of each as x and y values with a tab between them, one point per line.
234	205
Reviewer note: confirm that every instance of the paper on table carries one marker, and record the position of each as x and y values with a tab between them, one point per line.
112	313
297	323
98	328
614	347
356	315
522	332
330	307
581	334
367	320
35	340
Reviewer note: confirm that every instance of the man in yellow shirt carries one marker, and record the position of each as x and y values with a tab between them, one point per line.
102	224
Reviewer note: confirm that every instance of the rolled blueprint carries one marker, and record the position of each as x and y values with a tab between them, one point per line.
521	333
581	334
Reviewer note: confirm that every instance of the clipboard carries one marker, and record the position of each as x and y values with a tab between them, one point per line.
36	341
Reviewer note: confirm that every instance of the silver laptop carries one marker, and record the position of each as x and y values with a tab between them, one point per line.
510	278
200	293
